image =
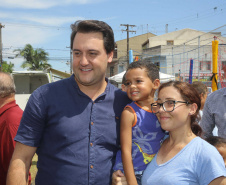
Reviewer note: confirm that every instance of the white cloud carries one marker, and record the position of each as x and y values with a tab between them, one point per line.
31	19
42	4
53	21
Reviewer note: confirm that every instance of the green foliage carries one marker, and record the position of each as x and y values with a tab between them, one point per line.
35	59
7	68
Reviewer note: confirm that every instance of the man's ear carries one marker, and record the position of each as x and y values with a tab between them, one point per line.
156	84
110	57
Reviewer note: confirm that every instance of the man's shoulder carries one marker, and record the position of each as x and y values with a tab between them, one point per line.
14	115
216	95
218	92
59	85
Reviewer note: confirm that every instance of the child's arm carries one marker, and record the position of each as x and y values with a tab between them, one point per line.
126	123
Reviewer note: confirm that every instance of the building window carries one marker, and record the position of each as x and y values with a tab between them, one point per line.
169	42
157	64
223	64
205	65
115	55
120	68
112	71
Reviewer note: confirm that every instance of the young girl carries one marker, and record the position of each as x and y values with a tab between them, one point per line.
220	144
183	157
140	131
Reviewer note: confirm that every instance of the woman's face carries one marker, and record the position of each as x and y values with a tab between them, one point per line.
179	118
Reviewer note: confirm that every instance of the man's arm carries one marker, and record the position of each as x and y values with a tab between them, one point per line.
207	121
20	164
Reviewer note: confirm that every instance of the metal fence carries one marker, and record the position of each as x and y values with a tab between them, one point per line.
175	59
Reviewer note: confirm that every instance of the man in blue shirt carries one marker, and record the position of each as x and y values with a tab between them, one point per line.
73	124
214	114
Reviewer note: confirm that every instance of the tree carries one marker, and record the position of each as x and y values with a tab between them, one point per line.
35	59
7	68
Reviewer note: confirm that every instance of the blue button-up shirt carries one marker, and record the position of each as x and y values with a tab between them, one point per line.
214	113
77	138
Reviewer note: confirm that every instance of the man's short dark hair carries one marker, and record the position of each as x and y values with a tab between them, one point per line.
151	69
89	26
7	86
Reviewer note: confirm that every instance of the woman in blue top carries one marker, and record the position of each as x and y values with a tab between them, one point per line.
183	157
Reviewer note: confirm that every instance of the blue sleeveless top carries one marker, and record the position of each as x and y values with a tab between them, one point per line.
147	136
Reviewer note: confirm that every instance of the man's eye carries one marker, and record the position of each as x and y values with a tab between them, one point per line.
139	81
77	53
93	54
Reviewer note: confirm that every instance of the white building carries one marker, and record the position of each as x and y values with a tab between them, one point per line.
173	51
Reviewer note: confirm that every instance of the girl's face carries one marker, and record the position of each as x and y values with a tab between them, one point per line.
179	118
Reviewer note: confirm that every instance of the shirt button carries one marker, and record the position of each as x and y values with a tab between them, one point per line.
91	166
91	144
91	123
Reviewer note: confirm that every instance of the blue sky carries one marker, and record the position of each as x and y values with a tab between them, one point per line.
46	23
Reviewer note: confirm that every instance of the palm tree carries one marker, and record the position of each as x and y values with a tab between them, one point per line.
8	68
35	59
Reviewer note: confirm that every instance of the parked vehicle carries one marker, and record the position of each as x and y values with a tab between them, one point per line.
26	82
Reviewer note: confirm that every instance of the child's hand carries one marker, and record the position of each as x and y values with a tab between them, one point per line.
118	178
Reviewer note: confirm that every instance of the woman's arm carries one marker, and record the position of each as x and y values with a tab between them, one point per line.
126	123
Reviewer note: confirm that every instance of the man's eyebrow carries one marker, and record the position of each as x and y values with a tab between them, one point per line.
75	50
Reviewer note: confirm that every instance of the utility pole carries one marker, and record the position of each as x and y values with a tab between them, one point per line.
1	26
127	30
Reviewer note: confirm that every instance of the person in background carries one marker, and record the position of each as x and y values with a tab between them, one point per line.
10	116
220	144
203	92
73	124
184	157
123	86
214	114
201	88
140	131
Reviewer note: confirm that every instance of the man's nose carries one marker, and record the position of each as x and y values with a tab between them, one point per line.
84	60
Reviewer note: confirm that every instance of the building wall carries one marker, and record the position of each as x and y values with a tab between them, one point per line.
135	43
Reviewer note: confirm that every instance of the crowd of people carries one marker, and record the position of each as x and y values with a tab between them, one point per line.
87	131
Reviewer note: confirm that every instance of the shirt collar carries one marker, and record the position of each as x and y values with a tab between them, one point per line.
72	79
7	106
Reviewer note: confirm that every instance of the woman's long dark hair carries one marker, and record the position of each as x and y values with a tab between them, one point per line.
189	94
